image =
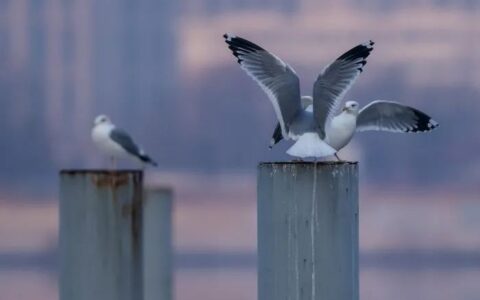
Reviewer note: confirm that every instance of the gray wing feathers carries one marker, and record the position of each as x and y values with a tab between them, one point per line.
275	77
306	102
335	80
393	117
125	141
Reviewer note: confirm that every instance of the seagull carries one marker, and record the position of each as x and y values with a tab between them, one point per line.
308	127
115	142
378	115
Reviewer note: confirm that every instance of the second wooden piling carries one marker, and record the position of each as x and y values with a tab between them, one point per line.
157	244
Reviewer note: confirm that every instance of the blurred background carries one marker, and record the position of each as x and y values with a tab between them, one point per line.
161	70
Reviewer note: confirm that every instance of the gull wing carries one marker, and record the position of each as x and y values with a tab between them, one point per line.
275	77
123	139
391	116
334	82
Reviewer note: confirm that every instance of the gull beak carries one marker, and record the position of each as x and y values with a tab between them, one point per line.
344	108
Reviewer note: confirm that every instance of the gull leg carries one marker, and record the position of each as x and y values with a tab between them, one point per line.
113	163
338	158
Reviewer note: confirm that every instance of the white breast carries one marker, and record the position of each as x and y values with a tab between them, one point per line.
341	130
101	139
309	144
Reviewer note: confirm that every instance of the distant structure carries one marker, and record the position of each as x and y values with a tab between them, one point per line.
199	7
209	7
63	62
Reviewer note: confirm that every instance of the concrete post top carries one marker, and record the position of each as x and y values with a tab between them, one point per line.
104	178
269	164
100	172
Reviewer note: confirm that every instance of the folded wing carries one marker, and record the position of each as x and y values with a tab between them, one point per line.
124	140
275	77
334	81
393	117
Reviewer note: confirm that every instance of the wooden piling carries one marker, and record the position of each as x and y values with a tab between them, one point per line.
157	250
100	239
308	231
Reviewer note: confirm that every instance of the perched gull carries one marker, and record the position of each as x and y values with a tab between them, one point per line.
379	115
308	127
115	142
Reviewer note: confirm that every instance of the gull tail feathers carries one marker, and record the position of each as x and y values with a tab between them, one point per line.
310	145
146	159
272	143
276	137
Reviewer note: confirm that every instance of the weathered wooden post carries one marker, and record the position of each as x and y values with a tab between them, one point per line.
308	231
157	244
100	235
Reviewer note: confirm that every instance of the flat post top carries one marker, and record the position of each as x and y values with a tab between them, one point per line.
105	178
307	165
73	172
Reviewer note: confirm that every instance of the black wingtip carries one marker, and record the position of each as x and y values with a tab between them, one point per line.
359	51
237	44
228	37
146	159
424	122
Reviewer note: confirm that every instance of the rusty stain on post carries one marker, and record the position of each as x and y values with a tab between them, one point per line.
101	235
136	212
110	180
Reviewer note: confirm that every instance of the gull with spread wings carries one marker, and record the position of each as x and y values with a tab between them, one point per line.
313	121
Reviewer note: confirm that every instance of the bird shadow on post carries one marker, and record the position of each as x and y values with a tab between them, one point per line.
308	230
100	238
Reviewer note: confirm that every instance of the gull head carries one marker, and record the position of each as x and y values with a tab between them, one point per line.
102	119
351	107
